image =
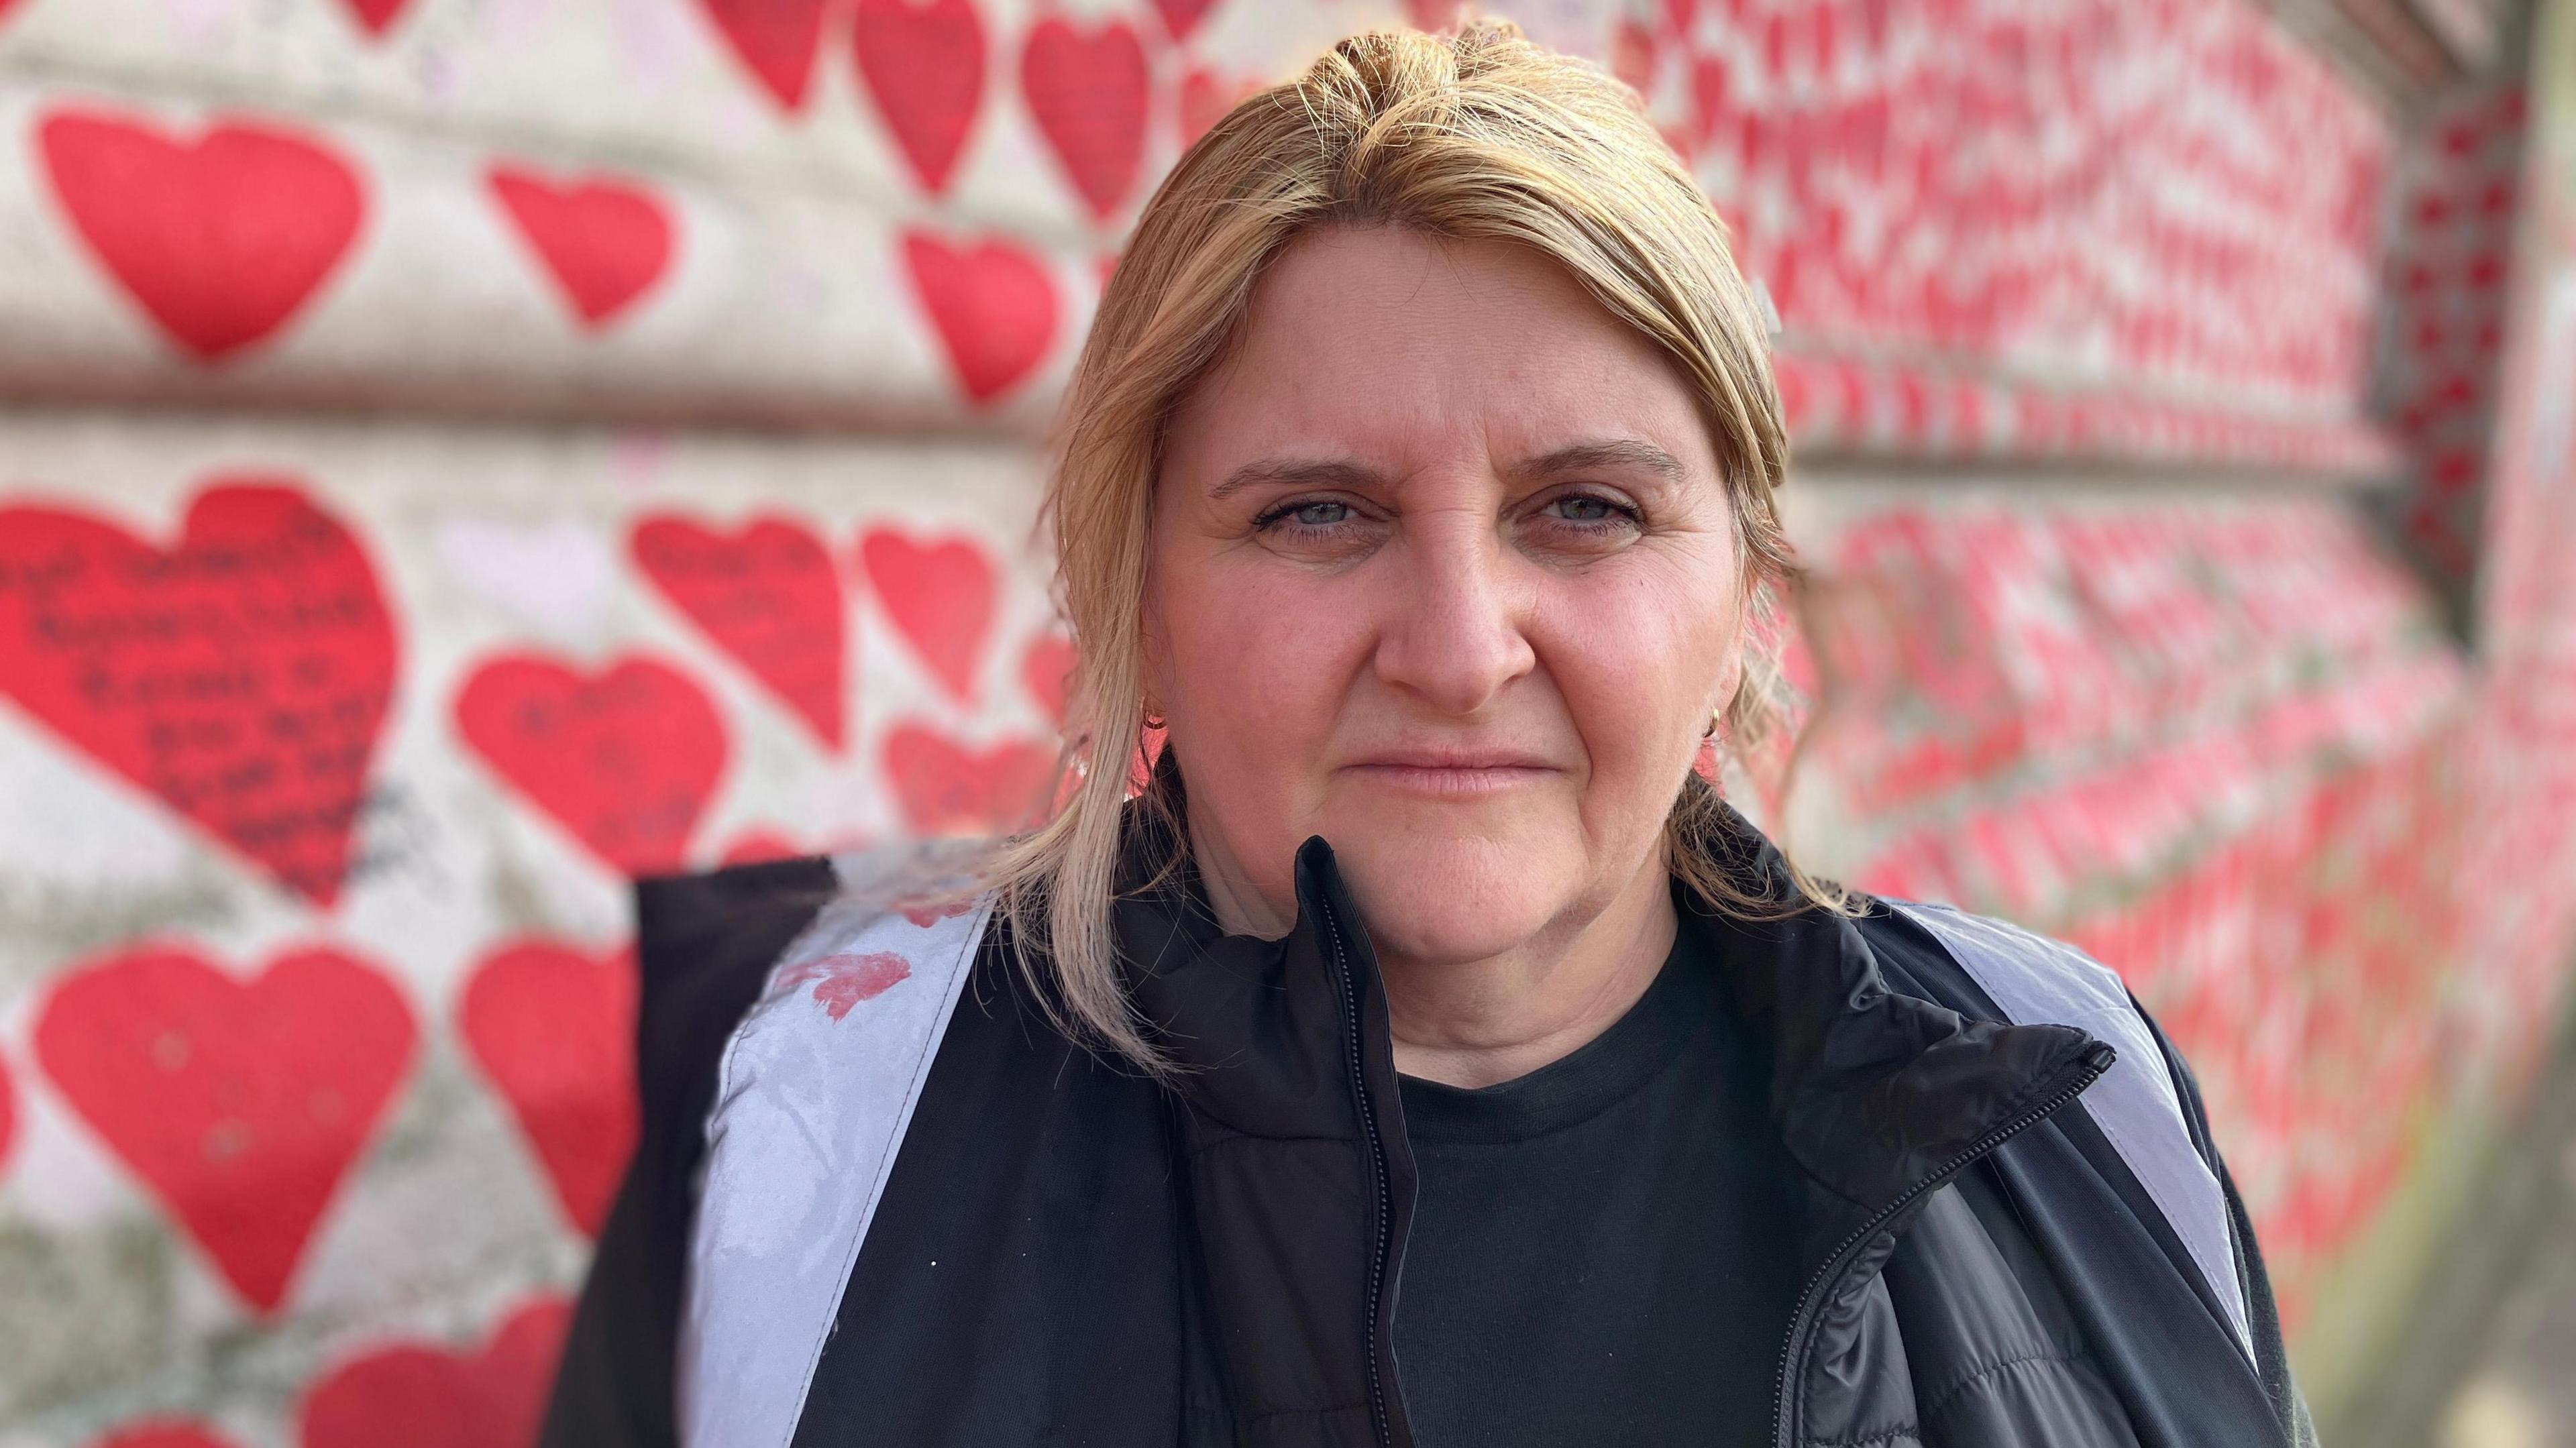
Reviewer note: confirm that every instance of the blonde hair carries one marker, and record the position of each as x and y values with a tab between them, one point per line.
1476	135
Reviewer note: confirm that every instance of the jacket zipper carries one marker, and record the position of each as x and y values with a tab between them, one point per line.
1802	1323
1377	1174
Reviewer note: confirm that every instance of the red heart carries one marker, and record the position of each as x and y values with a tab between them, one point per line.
767	594
376	16
1046	671
241	1103
843	981
1205	98
940	595
626	760
603	240
775	38
948	788
162	1432
924	67
554	1029
221	239
242	676
420	1396
993	304
1180	17
1088	95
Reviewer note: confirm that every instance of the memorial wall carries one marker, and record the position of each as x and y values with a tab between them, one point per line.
459	455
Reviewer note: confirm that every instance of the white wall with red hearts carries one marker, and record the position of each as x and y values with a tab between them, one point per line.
455	454
343	1044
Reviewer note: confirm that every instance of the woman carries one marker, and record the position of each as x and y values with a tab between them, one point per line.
1425	1053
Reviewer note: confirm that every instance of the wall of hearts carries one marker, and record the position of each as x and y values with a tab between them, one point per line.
328	773
456	455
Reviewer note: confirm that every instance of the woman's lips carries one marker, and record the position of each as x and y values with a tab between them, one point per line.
1453	775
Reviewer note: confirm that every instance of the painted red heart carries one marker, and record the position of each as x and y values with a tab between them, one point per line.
604	241
8	1113
923	64
775	39
376	16
223	238
1180	17
625	759
843	981
242	676
1205	98
949	788
940	595
993	305
1046	671
1087	92
163	1432
554	1030
766	593
241	1103
418	1395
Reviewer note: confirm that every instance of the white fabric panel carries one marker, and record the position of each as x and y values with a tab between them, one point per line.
2033	980
815	1091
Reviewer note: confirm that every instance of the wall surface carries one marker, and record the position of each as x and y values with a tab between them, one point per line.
458	454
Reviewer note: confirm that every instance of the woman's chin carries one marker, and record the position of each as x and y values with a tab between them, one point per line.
1451	904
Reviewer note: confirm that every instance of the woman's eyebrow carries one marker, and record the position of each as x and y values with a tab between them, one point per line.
1622	452
1297	472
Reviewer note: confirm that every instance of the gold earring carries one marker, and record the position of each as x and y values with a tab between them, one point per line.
1153	720
1715	718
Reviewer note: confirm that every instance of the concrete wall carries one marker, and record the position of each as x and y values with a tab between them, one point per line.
457	453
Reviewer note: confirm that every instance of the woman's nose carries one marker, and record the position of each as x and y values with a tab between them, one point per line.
1456	630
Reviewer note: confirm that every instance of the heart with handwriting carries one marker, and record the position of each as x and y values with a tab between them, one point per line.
625	759
221	237
768	594
241	676
240	1102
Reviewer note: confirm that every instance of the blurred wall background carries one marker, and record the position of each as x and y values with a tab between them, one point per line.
456	455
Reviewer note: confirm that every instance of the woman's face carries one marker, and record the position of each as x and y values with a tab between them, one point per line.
1442	570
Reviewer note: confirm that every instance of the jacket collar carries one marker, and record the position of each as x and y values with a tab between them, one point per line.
1872	1089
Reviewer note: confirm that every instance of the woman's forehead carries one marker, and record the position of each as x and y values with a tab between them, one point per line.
1385	344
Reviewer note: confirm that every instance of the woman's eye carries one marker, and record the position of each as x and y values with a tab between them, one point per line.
1585	508
1320	514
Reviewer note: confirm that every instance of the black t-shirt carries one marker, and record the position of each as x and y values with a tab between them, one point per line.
1602	1250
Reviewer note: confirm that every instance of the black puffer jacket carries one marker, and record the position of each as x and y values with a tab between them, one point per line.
1065	1253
